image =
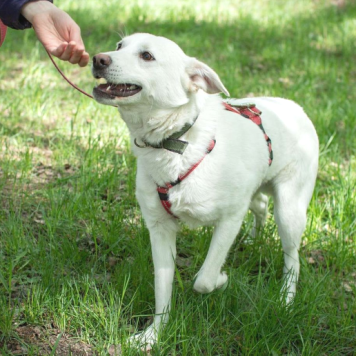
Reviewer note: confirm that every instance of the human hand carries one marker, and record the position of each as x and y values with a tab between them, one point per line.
57	31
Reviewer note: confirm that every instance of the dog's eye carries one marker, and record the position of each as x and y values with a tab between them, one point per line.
147	56
119	45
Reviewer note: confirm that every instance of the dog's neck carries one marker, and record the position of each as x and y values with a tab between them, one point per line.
154	125
163	165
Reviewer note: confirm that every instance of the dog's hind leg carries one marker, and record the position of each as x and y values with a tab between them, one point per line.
290	206
259	208
210	277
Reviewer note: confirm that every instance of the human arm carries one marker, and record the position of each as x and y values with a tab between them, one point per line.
10	14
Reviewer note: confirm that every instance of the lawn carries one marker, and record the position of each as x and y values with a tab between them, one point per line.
76	273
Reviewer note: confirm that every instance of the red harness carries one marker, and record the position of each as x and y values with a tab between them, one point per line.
249	112
163	191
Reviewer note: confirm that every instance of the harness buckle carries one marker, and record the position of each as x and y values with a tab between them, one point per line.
242	106
254	112
162	190
248	105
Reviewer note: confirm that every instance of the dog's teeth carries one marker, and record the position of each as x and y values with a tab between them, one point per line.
132	87
108	88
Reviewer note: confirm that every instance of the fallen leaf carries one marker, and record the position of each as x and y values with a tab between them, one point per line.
115	350
310	260
347	287
184	262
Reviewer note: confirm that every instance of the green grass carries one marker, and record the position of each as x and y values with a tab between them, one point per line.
75	263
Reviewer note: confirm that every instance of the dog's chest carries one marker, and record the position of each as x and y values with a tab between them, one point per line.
201	198
193	199
193	202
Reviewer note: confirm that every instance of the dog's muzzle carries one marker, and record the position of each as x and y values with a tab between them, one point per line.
101	62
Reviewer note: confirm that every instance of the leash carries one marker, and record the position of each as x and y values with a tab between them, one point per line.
3	30
66	79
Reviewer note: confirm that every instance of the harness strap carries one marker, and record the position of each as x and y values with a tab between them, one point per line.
163	191
249	111
3	30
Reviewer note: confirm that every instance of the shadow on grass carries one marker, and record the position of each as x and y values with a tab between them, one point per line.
299	60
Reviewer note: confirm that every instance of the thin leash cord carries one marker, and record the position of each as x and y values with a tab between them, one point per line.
66	79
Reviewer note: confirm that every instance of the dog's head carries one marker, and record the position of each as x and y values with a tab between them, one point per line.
153	70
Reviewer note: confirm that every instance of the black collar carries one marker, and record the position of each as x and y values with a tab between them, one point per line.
171	143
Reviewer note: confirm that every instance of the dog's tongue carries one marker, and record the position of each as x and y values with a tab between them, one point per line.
119	89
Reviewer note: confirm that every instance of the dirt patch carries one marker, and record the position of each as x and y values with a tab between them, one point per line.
316	258
44	340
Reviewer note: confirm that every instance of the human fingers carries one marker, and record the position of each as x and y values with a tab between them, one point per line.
57	52
76	55
79	56
65	56
84	60
76	36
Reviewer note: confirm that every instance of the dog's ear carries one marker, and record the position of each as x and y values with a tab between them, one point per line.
203	77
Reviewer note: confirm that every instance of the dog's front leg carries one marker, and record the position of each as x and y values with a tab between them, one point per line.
210	277
163	243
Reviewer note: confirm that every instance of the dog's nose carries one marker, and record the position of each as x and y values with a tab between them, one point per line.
101	61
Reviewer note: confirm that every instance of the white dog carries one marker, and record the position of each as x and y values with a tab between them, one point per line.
170	104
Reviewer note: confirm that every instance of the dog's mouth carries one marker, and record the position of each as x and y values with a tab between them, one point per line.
117	90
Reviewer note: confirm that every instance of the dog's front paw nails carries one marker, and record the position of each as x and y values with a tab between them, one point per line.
205	286
144	340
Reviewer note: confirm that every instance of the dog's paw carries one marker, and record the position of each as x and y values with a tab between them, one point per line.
286	298
288	292
206	285
145	340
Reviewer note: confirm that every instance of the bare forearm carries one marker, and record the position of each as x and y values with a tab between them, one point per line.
33	8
